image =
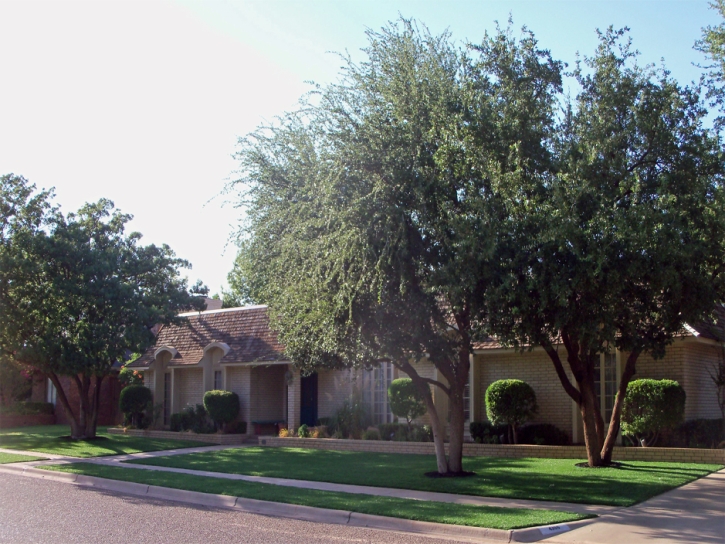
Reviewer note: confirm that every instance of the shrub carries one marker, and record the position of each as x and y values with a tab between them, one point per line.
284	432
485	432
222	406
400	432
405	399
129	376
133	402
652	406
200	422
303	431
512	402
350	420
371	434
236	427
28	408
543	434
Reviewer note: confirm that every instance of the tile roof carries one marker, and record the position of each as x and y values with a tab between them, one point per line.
245	330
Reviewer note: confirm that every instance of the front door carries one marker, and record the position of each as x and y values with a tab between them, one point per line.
308	408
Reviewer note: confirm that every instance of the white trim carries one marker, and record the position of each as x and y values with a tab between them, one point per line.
691	330
170	349
221	345
223	310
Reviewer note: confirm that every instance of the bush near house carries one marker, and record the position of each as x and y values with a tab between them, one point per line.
512	402
195	419
28	409
650	407
134	402
543	434
222	406
485	432
400	432
405	399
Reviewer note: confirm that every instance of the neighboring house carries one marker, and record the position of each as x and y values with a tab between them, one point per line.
234	349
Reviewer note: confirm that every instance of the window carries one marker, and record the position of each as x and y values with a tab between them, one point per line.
217	379
167	397
375	392
51	395
605	383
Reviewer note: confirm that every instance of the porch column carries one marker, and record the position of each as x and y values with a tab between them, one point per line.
294	400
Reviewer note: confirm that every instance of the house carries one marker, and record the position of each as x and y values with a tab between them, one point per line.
235	349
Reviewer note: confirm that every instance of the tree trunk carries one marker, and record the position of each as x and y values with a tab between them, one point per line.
514	431
76	431
455	442
616	419
591	436
95	403
424	389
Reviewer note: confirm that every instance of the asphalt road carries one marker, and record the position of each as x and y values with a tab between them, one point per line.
41	511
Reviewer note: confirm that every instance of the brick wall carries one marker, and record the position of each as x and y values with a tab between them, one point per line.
189	383
239	381
8	421
221	439
701	392
683	455
108	413
268	392
333	389
536	369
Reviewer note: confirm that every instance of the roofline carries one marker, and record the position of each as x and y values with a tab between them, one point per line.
223	310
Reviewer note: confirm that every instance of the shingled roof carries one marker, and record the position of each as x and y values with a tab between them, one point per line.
245	330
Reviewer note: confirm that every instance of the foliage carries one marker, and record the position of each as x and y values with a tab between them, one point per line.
485	432
130	376
15	381
236	427
512	402
28	408
652	406
405	433
303	431
405	399
350	420
371	433
712	45
77	293
284	432
134	401
375	209
592	265
222	406
543	434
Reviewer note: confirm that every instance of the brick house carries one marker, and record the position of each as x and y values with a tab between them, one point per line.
234	349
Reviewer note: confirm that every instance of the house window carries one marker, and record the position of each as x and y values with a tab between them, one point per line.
167	397
375	392
605	383
51	395
217	379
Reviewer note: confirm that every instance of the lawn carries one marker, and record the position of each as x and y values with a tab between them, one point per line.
54	439
438	512
541	479
6	458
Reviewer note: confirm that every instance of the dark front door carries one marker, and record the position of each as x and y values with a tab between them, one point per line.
308	408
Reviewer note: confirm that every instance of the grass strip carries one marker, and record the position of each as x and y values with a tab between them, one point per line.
55	439
528	478
6	458
438	512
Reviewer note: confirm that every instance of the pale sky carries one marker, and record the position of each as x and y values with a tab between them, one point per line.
143	102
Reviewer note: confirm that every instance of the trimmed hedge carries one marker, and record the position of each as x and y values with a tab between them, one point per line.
222	406
485	432
192	418
512	402
134	401
543	434
652	406
405	399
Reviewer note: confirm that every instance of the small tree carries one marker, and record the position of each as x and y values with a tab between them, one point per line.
129	376
405	400
651	406
134	401
222	406
512	402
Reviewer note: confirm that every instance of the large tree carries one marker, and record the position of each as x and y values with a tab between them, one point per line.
77	293
374	209
622	245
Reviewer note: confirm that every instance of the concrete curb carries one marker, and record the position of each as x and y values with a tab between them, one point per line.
293	511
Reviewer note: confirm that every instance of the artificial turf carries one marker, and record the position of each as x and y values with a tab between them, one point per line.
55	439
438	512
540	479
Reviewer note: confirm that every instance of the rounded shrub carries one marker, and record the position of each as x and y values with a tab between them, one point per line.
134	400
303	431
222	406
512	402
405	399
652	406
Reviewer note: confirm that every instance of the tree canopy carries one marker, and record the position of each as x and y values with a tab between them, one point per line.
77	293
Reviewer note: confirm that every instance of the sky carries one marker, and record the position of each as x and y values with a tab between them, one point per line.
144	102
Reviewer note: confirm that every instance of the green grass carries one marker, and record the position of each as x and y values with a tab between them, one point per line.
541	479
54	439
456	514
6	458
